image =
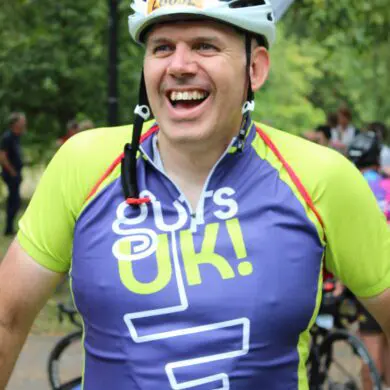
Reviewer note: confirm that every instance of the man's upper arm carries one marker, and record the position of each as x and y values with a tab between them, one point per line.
24	288
3	156
4	143
358	237
47	226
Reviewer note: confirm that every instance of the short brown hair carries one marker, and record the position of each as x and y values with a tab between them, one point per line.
345	111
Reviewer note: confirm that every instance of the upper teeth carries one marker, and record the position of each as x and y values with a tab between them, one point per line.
188	95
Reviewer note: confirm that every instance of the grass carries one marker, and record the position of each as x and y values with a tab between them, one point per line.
47	320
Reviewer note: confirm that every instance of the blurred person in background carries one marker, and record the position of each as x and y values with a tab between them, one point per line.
345	131
381	131
72	128
321	135
86	124
365	153
11	161
331	121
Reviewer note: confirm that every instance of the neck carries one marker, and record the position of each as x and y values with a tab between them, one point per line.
192	162
189	164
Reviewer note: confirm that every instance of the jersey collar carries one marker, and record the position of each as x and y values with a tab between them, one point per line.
149	150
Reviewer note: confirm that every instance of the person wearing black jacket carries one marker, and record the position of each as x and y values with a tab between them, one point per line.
12	162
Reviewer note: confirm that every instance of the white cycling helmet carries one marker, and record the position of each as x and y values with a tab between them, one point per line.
253	16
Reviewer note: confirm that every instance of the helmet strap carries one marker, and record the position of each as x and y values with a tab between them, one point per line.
249	104
248	53
129	161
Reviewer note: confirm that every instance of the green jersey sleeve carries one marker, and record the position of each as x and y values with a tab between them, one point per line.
358	249
357	240
46	228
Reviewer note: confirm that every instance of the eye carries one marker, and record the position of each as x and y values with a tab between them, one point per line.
205	47
162	49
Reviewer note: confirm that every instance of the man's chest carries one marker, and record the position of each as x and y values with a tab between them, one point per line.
14	150
241	255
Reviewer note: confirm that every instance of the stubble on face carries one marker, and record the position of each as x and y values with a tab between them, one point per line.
204	56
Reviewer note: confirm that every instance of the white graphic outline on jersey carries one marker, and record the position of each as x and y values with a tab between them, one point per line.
147	244
170	367
158	312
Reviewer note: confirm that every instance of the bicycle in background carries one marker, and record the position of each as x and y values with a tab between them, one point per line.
66	350
337	356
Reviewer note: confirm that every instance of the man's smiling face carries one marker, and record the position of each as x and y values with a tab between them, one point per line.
195	75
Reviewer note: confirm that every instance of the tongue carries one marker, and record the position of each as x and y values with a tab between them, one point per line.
187	104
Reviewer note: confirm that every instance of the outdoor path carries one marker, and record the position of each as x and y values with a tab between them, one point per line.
30	372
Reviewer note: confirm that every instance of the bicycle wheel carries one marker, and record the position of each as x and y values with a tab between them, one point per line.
65	356
342	359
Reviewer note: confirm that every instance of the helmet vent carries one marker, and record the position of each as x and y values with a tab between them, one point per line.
246	3
270	17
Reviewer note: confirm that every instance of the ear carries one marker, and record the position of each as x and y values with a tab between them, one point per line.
260	63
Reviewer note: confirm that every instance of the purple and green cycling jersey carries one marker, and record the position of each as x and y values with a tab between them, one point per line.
221	297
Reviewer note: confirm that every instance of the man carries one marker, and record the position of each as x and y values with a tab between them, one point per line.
381	132
365	152
86	124
196	254
11	162
345	131
321	135
72	128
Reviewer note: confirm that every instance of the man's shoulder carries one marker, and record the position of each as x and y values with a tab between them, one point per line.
299	152
6	136
104	141
100	141
89	155
321	171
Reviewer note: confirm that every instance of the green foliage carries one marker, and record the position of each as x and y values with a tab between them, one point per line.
47	53
283	102
53	64
354	22
355	61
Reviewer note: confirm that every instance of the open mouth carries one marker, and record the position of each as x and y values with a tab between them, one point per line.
187	99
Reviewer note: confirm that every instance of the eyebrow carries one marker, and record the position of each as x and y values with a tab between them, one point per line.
199	38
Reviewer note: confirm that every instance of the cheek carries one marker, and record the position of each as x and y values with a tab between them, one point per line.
153	74
153	71
230	79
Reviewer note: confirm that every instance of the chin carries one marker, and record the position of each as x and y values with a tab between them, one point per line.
186	132
188	139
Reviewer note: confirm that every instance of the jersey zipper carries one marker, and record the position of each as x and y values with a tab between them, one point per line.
197	218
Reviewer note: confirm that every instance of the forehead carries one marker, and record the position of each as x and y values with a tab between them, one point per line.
192	29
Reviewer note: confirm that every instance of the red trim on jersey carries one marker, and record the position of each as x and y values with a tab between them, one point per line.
117	161
105	175
152	130
292	175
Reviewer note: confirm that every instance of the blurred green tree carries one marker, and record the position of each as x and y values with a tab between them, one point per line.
53	64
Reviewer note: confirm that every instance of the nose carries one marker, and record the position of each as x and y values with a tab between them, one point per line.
182	63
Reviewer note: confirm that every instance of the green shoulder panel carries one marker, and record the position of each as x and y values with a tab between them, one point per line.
357	235
46	228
